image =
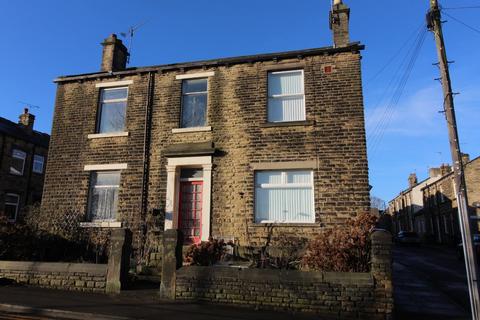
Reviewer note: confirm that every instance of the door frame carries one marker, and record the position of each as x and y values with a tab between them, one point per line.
174	165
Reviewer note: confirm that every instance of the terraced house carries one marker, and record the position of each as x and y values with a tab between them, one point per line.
23	155
238	148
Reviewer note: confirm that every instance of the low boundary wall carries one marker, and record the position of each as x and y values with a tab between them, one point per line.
70	276
109	278
331	295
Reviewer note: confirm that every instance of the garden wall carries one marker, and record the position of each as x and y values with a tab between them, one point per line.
69	276
338	295
109	278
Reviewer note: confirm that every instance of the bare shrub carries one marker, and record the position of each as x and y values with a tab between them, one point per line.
206	253
346	248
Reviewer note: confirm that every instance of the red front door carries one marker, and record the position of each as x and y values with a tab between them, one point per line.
190	211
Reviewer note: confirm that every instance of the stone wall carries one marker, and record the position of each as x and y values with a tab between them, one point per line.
69	276
328	294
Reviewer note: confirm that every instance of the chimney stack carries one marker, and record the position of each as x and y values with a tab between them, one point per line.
412	180
465	158
27	119
115	54
445	169
339	20
434	172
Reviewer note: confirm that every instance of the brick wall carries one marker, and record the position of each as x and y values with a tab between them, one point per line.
333	136
69	276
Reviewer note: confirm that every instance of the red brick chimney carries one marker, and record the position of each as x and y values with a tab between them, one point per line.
339	24
26	119
115	54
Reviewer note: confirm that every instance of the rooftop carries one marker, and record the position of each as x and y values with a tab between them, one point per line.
16	130
352	47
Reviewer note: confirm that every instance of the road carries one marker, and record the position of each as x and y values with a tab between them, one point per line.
429	283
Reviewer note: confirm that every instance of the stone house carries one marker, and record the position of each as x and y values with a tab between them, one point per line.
247	148
23	156
429	207
441	210
404	207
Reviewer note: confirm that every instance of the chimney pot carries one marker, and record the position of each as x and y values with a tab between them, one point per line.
114	55
412	180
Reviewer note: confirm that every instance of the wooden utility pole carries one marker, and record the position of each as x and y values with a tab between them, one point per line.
434	24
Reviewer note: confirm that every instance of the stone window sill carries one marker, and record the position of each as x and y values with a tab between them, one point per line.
108	135
286	224
101	224
194	129
287	124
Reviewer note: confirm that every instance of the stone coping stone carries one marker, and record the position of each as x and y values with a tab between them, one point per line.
271	275
60	267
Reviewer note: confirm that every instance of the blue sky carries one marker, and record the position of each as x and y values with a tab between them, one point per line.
44	39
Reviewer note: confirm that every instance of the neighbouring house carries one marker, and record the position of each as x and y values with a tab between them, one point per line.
23	155
429	207
441	210
247	148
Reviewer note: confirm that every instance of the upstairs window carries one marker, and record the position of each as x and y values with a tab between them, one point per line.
11	206
286	99
103	197
113	106
18	162
38	163
194	103
284	196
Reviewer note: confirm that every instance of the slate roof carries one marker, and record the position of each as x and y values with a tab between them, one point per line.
15	130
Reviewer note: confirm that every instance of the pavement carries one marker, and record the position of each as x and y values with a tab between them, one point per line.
23	302
429	283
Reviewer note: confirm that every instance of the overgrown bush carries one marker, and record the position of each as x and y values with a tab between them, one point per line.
206	253
38	236
345	248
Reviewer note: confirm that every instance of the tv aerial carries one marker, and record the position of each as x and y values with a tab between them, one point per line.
29	105
129	35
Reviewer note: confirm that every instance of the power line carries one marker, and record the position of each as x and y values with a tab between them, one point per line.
461	22
459	8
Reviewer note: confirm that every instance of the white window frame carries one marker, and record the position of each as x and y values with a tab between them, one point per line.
90	215
204	126
286	95
100	107
284	184
23	158
14	204
36	161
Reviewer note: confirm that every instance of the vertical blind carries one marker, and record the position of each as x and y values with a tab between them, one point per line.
286	101
194	103
284	196
104	195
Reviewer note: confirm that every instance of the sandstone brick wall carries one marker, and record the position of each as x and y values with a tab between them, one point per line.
344	295
333	136
69	276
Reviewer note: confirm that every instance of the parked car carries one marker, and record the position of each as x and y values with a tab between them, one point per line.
476	244
408	237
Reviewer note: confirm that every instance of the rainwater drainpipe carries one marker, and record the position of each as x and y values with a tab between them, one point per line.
146	156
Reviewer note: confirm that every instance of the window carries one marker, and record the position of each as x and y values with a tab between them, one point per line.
286	100
194	103
11	206
103	197
38	161
284	196
18	162
113	106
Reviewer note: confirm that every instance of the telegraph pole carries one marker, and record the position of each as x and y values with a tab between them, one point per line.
434	24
